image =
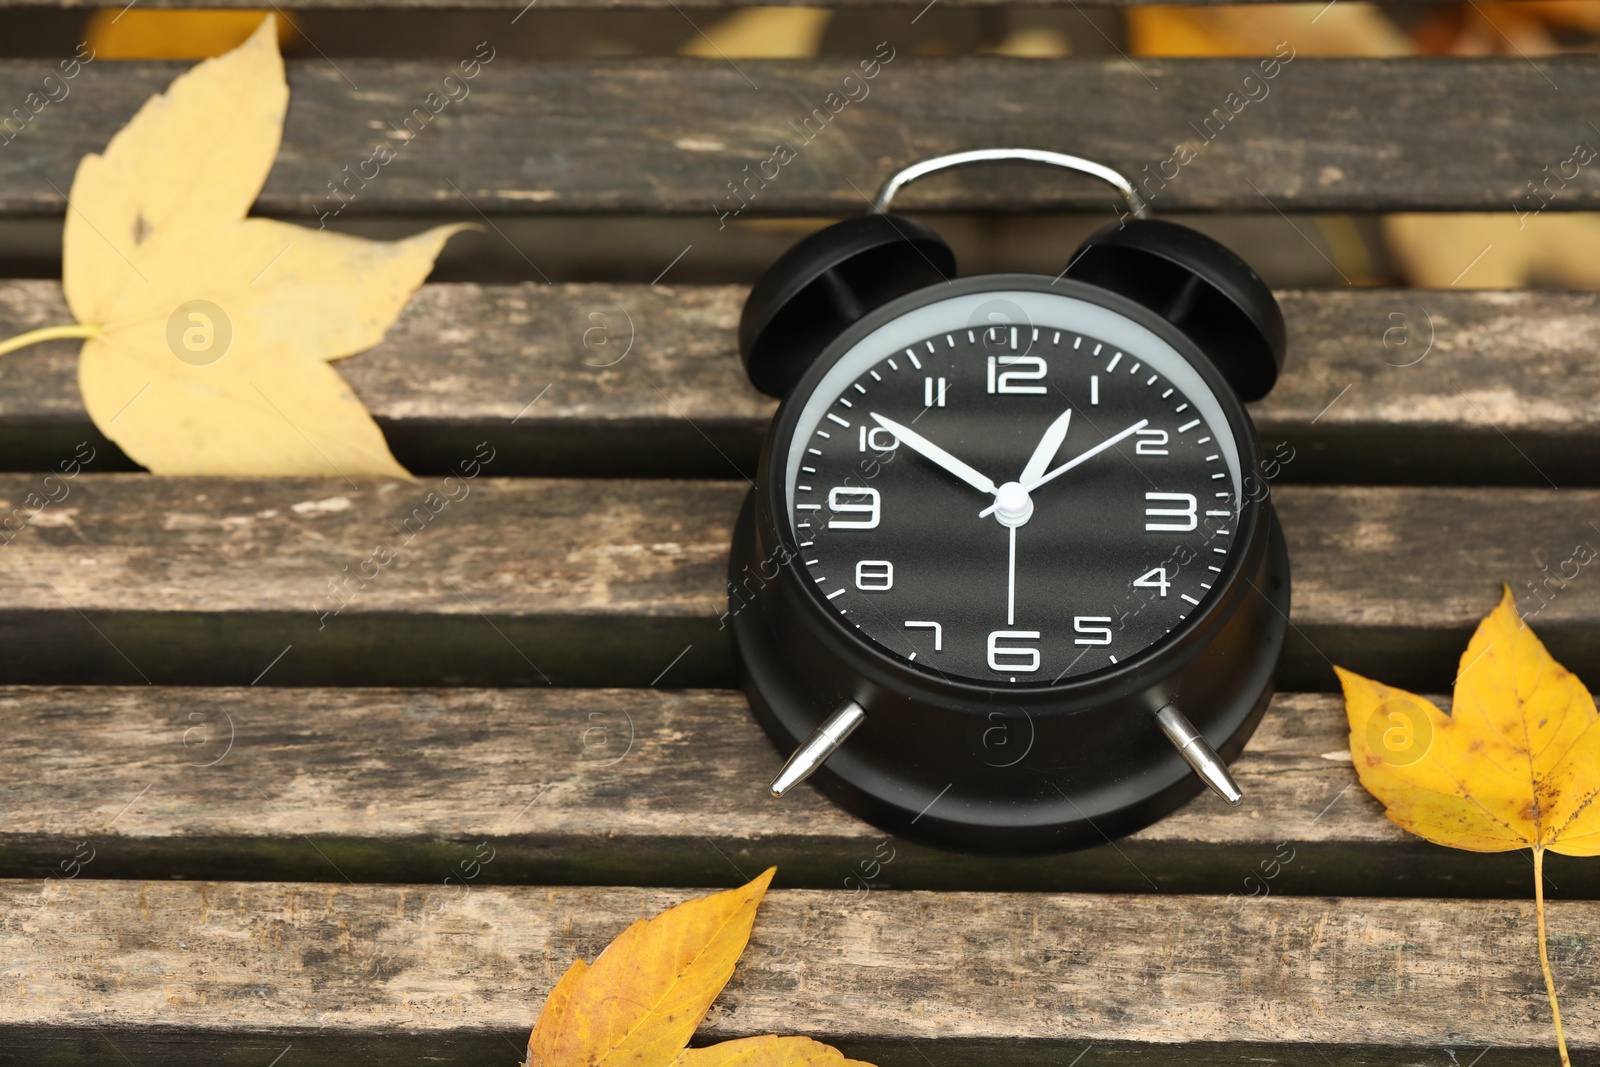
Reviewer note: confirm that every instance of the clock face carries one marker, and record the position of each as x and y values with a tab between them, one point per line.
1013	488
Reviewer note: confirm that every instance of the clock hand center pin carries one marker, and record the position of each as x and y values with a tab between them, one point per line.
1012	504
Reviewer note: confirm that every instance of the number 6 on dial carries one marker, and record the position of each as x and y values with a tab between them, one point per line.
1023	658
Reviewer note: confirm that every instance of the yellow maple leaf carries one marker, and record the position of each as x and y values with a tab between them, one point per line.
1261	29
1516	763
134	33
766	1051
1496	250
644	996
208	333
762	33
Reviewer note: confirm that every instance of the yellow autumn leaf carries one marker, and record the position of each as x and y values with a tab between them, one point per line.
761	33
207	334
643	997
1516	763
1262	29
178	373
1527	247
766	1051
135	33
194	156
552	1021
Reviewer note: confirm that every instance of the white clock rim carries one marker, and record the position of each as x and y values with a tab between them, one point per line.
955	313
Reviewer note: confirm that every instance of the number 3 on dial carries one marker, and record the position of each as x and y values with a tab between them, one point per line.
1184	513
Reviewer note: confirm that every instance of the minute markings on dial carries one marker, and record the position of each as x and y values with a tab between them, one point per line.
888	528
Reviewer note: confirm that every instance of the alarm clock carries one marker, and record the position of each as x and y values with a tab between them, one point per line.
1006	581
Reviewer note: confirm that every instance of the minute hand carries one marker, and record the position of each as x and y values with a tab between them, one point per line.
1075	460
938	456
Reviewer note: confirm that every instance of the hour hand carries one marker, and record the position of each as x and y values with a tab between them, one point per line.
1047	448
936	455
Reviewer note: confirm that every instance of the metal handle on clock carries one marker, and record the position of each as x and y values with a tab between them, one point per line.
1037	156
1198	752
822	743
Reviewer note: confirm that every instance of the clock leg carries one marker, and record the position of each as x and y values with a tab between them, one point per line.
822	743
1199	754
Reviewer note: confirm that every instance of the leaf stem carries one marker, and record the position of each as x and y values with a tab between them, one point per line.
1544	955
48	333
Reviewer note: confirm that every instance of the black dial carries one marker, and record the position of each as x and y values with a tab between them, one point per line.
1016	489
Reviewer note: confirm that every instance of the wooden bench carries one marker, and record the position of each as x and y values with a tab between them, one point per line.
244	816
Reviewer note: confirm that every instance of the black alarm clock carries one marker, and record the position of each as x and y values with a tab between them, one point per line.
1006	581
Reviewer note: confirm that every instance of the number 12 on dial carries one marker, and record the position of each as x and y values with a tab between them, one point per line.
1011	381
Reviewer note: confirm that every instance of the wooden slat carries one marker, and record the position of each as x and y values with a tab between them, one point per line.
520	582
465	362
1504	392
1430	387
130	578
614	787
668	135
902	978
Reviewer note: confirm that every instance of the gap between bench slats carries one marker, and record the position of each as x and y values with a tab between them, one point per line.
1381	386
623	787
670	135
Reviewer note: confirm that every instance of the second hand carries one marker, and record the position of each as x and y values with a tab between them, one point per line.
1011	582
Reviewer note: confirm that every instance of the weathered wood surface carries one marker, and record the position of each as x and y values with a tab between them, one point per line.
621	787
904	978
130	578
1380	385
650	385
670	135
511	582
